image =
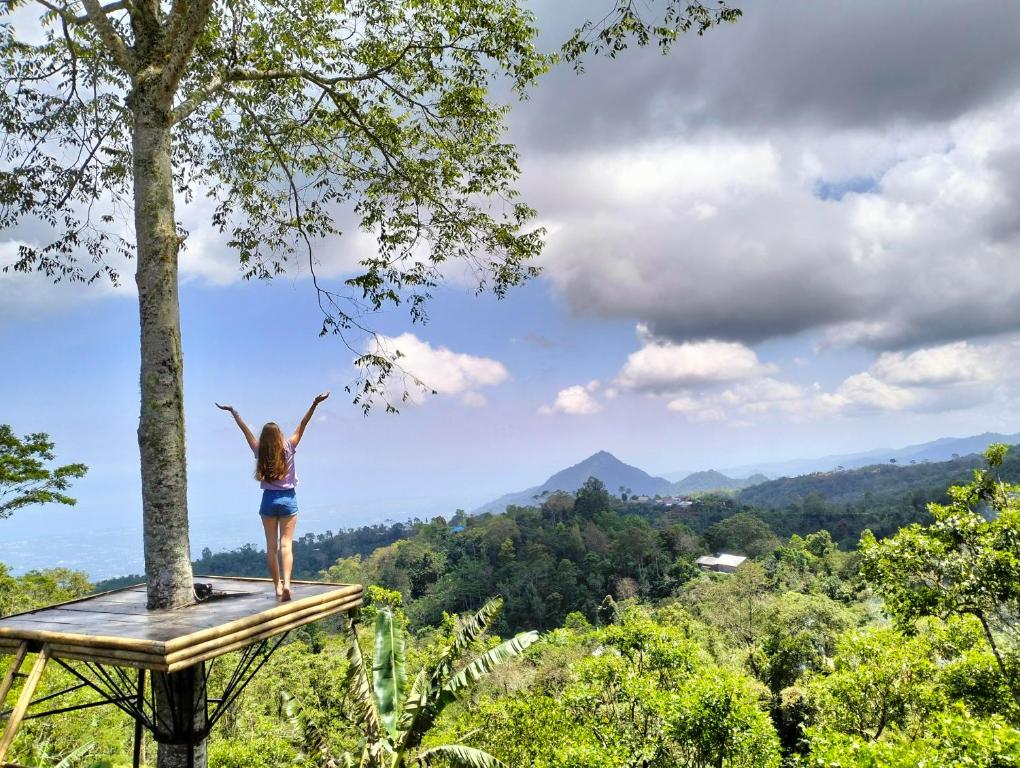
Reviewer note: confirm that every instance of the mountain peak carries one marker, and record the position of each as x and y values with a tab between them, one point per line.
603	465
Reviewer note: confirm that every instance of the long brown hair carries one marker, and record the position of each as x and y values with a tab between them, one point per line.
272	462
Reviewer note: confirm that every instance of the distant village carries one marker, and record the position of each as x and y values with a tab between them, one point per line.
661	501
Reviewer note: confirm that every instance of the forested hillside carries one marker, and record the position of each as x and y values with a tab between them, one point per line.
809	655
529	550
854	484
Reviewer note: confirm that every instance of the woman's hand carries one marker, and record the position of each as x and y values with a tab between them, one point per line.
300	431
228	408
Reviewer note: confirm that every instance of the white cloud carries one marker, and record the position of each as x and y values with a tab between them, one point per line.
948	377
947	364
955	376
746	399
890	238
34	294
862	391
662	367
437	368
575	401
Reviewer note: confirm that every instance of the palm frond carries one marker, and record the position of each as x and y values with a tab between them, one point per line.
388	669
458	756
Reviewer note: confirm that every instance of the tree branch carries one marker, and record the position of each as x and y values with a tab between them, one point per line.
120	5
187	20
122	55
240	75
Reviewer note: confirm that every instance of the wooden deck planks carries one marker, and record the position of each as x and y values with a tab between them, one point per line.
116	627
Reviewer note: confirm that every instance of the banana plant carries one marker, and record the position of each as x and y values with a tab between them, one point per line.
394	723
73	755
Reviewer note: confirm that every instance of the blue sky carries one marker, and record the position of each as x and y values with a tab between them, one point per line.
750	258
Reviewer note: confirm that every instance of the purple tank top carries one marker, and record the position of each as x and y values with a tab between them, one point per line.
290	481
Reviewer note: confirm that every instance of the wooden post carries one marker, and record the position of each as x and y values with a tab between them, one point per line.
8	683
24	700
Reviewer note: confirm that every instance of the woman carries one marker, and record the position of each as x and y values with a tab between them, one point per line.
274	469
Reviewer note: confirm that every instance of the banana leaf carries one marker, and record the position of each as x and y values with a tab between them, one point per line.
458	756
360	688
420	706
388	669
489	660
74	754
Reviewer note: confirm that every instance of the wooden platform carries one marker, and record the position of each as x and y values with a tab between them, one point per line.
116	628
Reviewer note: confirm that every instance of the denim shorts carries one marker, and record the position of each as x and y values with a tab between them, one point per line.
278	503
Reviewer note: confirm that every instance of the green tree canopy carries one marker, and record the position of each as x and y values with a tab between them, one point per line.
25	478
965	563
743	534
592	498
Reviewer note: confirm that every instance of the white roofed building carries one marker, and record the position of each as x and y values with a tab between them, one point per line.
721	563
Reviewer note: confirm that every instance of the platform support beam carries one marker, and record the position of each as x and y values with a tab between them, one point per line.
24	700
8	682
139	704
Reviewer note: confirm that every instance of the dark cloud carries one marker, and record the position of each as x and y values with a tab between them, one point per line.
850	64
725	239
848	169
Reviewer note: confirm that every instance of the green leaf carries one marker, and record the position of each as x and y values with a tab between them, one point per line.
75	754
306	732
420	706
388	669
489	660
359	687
470	631
459	756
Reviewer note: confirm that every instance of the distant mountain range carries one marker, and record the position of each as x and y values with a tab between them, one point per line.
711	480
615	474
943	449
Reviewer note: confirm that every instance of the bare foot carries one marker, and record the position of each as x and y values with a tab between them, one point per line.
286	594
279	593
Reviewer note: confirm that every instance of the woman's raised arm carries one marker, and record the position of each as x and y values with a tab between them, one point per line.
252	440
300	431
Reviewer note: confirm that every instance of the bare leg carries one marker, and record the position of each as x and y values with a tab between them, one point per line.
272	526
287	526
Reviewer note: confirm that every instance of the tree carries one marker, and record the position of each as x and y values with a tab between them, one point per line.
37	589
961	564
395	720
733	603
744	534
287	118
284	118
640	692
24	477
592	498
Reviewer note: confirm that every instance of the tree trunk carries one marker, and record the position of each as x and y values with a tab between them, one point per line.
186	689
161	421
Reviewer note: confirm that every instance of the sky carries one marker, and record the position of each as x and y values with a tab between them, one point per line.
793	236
